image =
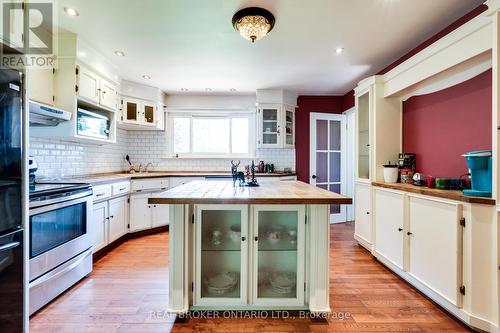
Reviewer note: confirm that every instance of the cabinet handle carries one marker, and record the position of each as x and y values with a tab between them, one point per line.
107	218
99	195
367	213
400	229
112	217
122	189
256	238
243	239
409	233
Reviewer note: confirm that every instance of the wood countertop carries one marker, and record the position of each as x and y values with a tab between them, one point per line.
446	194
272	192
106	178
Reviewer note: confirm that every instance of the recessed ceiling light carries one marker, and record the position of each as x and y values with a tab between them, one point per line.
120	53
232	89
184	89
146	77
71	11
208	89
339	50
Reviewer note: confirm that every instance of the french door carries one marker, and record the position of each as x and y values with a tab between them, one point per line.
327	157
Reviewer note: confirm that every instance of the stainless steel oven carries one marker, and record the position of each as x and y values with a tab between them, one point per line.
60	244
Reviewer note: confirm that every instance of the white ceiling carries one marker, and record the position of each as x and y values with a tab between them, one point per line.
191	43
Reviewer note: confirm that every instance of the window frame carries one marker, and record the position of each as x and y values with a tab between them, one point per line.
212	114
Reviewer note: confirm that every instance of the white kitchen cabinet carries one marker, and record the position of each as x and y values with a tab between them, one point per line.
140	212
363	220
221	241
99	225
108	94
278	255
389	226
130	110
149	113
435	245
88	84
118	218
41	85
276	126
160	213
142	113
15	39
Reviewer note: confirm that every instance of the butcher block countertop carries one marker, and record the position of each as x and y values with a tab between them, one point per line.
446	194
273	192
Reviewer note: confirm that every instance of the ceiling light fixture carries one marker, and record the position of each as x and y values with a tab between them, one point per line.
208	89
120	53
232	89
339	50
146	77
71	11
184	89
253	23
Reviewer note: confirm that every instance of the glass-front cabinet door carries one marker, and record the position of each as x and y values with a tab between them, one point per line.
278	265
130	110
269	126
221	255
149	113
363	119
289	121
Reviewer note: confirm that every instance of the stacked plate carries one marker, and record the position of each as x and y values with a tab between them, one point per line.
282	282
221	283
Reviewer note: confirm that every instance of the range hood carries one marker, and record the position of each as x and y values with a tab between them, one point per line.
45	115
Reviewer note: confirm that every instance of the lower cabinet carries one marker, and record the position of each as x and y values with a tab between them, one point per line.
389	226
363	220
145	216
109	221
265	269
435	245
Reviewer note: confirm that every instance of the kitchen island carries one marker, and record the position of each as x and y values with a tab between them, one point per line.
249	248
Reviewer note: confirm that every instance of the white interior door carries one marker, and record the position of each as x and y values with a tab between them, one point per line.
327	157
350	160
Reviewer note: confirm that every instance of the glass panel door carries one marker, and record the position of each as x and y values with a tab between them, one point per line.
364	136
279	244
149	114
221	256
289	127
270	126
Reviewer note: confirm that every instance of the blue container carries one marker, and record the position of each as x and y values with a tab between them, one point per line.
479	164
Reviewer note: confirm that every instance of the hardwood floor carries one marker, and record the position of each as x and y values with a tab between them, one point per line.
127	292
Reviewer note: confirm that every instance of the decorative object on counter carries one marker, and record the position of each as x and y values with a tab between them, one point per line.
419	179
222	283
131	168
269	168
261	167
479	164
247	172
252	182
238	176
431	182
390	172
287	170
406	176
235	232
443	183
282	282
407	161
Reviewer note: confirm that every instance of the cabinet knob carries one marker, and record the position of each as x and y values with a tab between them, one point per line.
314	176
367	213
243	239
409	233
256	238
400	229
112	217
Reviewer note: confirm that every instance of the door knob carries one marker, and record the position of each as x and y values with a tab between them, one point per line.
314	177
243	239
400	229
409	233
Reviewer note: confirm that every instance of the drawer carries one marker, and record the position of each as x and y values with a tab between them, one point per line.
150	184
120	188
177	181
101	192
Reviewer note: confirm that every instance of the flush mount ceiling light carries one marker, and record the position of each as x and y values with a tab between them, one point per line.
71	11
253	23
146	77
120	53
184	89
339	50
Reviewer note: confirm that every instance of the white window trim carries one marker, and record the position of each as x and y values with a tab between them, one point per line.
250	114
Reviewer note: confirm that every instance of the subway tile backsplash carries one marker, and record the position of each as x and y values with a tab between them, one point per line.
59	158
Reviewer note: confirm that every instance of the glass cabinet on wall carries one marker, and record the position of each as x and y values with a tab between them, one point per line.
363	135
278	255
221	255
276	126
140	112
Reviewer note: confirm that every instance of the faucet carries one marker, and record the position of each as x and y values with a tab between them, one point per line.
146	167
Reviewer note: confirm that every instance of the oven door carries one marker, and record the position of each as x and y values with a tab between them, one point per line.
58	233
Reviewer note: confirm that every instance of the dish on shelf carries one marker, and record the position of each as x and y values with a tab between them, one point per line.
216	238
221	283
282	282
235	232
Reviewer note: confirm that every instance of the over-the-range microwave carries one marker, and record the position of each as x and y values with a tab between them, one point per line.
92	124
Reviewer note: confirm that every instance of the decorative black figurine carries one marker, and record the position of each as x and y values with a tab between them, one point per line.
237	176
253	182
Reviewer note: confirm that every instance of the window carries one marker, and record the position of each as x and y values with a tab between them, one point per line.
212	134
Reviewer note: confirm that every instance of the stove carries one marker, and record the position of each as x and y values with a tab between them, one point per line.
47	193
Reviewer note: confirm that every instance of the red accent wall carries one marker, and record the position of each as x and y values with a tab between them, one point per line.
306	105
441	126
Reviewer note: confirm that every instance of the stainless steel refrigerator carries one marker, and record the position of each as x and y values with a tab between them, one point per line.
11	202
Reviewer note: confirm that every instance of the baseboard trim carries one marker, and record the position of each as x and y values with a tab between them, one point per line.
96	256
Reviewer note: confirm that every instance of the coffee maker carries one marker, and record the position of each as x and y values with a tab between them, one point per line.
479	164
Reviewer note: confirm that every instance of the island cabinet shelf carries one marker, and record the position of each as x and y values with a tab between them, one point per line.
247	255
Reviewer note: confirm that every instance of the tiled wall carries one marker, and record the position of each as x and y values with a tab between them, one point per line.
58	158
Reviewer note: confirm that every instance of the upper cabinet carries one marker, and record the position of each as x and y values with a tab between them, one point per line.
41	85
275	119
94	89
141	107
